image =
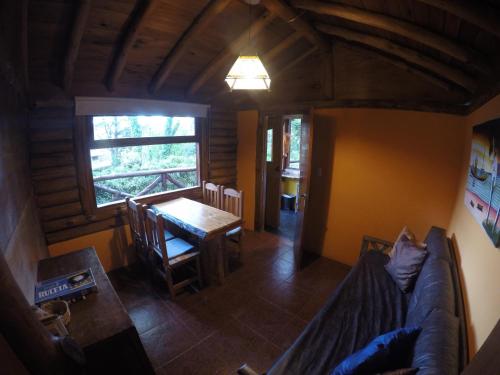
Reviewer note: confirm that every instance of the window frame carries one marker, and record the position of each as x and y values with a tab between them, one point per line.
84	135
288	133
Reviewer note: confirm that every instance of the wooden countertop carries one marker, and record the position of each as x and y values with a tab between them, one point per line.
101	315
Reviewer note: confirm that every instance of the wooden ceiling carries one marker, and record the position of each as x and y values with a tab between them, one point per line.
433	54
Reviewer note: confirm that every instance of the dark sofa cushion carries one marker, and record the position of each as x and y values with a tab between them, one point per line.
366	304
389	351
433	290
437	244
405	263
436	348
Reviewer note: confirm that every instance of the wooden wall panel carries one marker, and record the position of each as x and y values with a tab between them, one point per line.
222	147
21	240
54	171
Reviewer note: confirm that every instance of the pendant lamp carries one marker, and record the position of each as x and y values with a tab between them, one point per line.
248	72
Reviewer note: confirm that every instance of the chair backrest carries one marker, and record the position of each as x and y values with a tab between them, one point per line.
155	233
211	194
232	201
135	213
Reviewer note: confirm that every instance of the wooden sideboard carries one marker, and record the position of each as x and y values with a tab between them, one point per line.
100	324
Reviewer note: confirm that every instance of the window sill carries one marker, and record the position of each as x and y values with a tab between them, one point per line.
119	208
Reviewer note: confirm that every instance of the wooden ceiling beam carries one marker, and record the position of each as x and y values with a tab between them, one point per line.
75	38
474	12
281	46
399	27
287	14
411	56
436	81
207	15
231	51
295	61
140	13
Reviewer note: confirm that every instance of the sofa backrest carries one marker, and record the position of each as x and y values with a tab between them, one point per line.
434	306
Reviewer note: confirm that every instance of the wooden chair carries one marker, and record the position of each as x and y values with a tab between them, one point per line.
135	213
169	255
232	201
211	194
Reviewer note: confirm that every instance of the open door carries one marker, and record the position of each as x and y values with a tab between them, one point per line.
306	140
274	144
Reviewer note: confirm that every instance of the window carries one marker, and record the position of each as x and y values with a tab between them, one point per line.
134	156
269	146
295	134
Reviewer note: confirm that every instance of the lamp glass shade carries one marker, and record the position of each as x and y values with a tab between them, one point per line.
248	73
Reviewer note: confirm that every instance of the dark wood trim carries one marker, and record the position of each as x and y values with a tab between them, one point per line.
287	14
474	12
453	75
137	18
399	27
204	150
127	142
75	38
83	164
230	52
206	16
422	106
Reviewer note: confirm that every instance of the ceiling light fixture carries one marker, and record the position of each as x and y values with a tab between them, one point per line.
248	72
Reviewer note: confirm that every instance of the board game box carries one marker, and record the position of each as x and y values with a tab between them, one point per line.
68	287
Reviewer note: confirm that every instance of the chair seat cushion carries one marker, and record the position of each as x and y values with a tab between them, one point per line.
168	236
234	232
177	247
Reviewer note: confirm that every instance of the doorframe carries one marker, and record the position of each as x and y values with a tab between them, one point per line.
260	172
260	163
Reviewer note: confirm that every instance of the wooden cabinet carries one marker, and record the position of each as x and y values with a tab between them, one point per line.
100	324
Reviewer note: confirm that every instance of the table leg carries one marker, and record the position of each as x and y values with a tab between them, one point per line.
220	259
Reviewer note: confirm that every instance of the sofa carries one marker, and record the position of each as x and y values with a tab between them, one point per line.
368	303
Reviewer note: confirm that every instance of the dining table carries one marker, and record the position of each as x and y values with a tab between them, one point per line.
207	223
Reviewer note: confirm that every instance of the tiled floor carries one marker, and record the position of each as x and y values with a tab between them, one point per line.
259	311
288	222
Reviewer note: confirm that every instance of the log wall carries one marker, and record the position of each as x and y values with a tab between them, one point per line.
21	240
55	172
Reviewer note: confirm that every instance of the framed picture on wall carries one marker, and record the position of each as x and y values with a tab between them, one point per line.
482	192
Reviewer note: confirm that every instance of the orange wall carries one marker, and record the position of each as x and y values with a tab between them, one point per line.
480	260
391	168
113	246
245	177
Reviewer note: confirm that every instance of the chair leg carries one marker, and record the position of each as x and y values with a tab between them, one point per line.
226	257
170	284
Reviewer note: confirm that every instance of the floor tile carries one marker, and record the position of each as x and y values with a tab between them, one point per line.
252	318
239	344
202	359
290	332
165	342
265	318
149	315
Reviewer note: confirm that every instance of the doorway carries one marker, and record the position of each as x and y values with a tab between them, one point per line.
284	155
282	151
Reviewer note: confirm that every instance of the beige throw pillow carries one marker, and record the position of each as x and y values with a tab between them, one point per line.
408	234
